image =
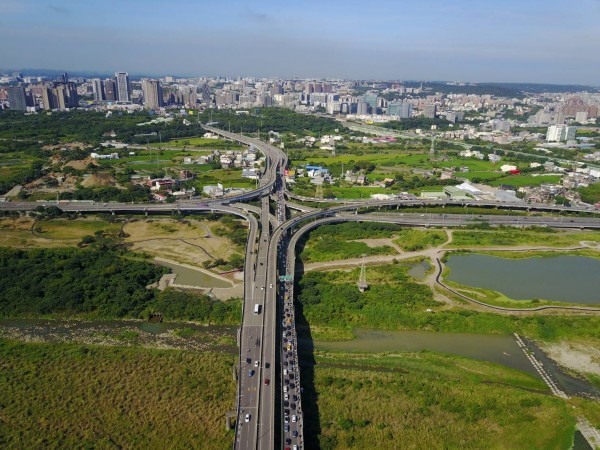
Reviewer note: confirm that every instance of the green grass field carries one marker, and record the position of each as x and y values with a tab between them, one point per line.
508	237
426	400
73	229
526	180
77	396
412	240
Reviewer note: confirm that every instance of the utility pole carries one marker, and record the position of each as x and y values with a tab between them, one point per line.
362	280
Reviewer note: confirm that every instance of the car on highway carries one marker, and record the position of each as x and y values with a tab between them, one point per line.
247	417
267	381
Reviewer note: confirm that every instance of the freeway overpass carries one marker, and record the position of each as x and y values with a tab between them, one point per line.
269	253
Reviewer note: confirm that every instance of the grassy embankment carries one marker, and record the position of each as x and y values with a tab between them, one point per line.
431	401
76	396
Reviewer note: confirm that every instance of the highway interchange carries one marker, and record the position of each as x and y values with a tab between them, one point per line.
269	407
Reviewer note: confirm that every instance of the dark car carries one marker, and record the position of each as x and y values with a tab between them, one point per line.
288	441
249	360
267	381
292	385
295	433
267	365
293	406
286	403
287	413
295	397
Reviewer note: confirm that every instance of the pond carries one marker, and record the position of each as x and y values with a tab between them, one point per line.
188	276
496	349
564	278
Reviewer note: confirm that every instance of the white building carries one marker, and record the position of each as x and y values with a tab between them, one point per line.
560	133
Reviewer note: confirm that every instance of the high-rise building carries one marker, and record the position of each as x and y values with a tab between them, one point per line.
560	133
430	110
98	89
276	90
17	98
362	108
401	109
60	96
206	94
153	94
48	99
123	87
110	90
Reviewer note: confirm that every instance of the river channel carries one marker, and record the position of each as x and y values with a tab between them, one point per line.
496	349
564	278
173	335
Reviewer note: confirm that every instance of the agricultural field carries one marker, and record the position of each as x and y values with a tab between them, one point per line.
74	396
419	400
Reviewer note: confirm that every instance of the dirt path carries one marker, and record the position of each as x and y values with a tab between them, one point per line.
435	254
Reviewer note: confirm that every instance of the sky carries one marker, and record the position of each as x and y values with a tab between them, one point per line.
551	41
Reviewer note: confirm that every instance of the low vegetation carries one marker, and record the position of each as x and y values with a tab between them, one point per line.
331	301
412	239
508	236
431	401
76	396
338	241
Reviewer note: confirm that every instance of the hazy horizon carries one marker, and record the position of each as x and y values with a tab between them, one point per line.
522	42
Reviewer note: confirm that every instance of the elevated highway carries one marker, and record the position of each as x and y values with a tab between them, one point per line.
265	353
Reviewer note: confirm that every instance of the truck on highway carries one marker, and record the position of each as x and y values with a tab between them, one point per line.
257	309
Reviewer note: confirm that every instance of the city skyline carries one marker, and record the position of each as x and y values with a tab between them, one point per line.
545	42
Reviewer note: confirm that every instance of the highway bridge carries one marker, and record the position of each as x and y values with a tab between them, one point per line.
269	401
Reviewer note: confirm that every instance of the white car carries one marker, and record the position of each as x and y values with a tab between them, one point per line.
256	363
294	418
247	417
271	286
